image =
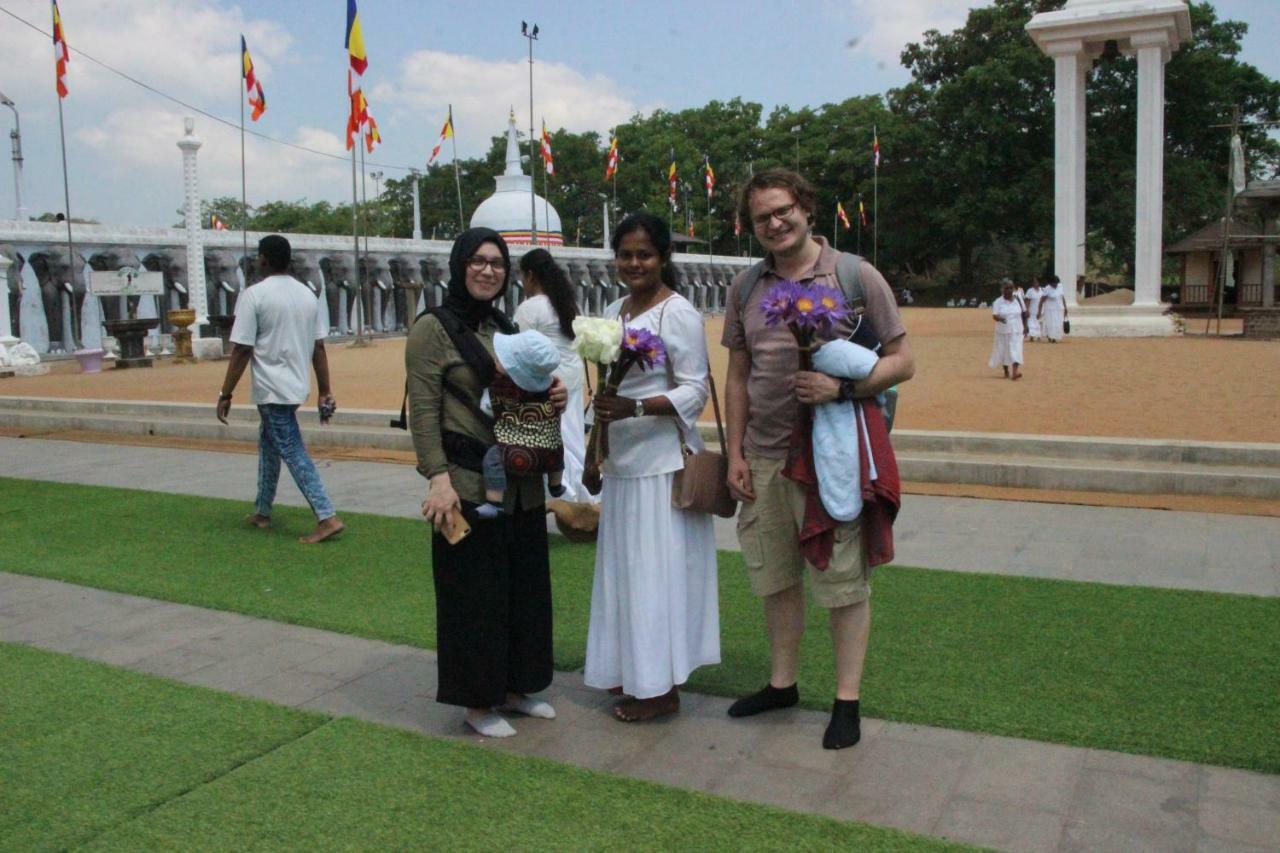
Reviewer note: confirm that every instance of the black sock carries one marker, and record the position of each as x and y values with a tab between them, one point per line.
845	728
769	699
556	490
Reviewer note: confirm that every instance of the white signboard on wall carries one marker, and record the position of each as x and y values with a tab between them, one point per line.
126	281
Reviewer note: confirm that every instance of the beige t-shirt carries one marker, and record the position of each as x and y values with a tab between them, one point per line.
772	407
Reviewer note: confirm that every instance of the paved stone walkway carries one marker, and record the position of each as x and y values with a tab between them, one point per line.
1183	550
996	791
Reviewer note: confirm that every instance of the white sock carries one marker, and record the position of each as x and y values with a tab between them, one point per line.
491	725
531	707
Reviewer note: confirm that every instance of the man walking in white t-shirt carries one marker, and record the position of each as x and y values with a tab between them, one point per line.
279	329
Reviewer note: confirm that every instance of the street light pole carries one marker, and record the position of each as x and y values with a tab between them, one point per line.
795	128
532	36
377	198
15	137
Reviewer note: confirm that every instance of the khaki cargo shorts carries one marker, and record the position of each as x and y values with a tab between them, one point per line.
767	529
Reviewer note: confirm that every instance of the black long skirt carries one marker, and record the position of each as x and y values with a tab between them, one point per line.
493	610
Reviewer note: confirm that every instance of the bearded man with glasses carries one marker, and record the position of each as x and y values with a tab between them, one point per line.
763	399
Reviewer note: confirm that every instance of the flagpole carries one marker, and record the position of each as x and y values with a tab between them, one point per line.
875	204
71	252
355	252
546	187
532	36
835	229
364	229
457	176
860	225
244	195
710	253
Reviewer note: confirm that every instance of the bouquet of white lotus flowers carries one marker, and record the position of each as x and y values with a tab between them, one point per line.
597	339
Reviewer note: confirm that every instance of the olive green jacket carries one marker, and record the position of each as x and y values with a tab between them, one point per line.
430	356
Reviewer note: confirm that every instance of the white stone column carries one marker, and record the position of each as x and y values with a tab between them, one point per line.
6	337
417	208
1152	49
196	294
1068	171
1083	64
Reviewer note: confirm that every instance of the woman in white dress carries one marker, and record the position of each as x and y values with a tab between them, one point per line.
549	307
1034	294
654	602
1006	350
1053	310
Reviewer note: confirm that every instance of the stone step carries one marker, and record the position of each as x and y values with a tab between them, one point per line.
1090	475
1067	463
1089	447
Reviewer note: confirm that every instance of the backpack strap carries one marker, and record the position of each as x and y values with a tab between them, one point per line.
454	328
848	274
748	284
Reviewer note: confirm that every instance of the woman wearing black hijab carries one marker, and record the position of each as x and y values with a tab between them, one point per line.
493	588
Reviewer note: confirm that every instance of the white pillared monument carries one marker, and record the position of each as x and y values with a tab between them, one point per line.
509	210
201	346
1074	36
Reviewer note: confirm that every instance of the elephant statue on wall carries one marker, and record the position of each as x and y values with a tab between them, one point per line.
407	278
338	291
56	275
116	308
173	266
221	284
11	289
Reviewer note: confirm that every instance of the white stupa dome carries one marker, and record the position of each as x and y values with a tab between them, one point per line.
507	210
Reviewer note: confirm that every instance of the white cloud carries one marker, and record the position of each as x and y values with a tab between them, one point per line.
145	142
892	27
481	91
175	43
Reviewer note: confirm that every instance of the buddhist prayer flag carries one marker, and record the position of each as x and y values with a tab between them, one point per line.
672	180
371	135
875	144
359	115
215	223
862	212
61	55
691	229
547	159
445	133
252	84
737	225
844	218
711	178
355	40
611	164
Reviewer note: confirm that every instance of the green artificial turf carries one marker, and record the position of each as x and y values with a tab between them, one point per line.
107	759
1189	675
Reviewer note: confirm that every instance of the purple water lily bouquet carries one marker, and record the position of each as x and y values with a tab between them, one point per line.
614	349
807	310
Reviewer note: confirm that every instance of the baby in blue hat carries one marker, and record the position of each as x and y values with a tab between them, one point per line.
526	424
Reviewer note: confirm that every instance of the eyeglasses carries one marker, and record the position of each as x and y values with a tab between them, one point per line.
477	264
779	213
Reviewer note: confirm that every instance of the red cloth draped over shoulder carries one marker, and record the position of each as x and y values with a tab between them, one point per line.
881	498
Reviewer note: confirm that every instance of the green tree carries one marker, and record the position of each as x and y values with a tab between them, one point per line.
976	125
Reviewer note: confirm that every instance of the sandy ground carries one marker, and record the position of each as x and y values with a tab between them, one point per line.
1192	387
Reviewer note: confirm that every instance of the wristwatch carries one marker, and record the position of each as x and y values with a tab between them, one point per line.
847	391
639	408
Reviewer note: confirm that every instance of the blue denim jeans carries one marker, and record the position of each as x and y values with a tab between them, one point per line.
279	438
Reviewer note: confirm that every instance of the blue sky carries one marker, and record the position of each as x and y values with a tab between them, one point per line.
596	64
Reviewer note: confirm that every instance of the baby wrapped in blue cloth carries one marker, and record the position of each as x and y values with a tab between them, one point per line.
836	447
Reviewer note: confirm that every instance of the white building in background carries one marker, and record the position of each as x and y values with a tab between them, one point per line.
508	211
